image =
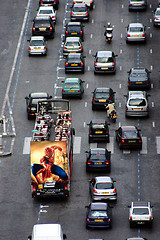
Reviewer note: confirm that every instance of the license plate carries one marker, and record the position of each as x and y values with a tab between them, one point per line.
102	100
80	14
137	4
138	82
136	36
98	220
137	108
42	29
132	141
114	116
104	68
74	64
97	163
105	192
109	39
71	91
37	48
73	52
73	33
99	131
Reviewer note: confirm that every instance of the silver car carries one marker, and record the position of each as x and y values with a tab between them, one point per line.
137	5
140	213
72	45
37	45
102	188
135	33
79	12
137	104
156	17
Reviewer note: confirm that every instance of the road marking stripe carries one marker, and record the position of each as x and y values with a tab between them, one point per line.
26	146
158	144
76	145
110	145
144	146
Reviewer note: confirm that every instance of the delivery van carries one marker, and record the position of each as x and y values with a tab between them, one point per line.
48	231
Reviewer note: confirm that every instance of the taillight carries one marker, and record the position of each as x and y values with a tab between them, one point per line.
110	98
130	83
88	162
95	63
50	29
81	32
114	191
55	1
86	13
122	141
113	63
130	217
90	131
143	35
94	99
41	1
66	63
79	90
29	48
44	48
107	162
34	28
66	32
128	35
82	63
140	141
147	83
64	48
74	2
66	188
91	1
63	90
130	4
72	13
126	108
106	131
88	219
109	220
150	217
80	48
95	191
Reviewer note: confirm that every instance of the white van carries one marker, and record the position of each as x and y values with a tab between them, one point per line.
89	3
48	231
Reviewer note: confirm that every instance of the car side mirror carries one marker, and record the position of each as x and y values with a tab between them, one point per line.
139	130
26	98
125	95
86	206
148	95
73	131
83	81
64	236
114	92
84	56
109	152
129	206
128	71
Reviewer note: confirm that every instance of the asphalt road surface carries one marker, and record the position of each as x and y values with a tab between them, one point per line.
136	172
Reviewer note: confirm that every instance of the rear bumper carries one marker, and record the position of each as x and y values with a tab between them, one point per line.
74	69
101	198
137	114
100	70
99	138
134	39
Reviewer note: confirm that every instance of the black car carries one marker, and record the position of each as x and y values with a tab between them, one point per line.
75	63
139	78
98	130
53	3
98	159
32	100
74	29
43	26
101	97
99	215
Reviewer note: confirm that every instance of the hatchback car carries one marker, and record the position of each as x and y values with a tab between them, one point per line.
140	213
79	12
135	33
129	137
156	17
139	78
72	87
137	5
32	100
137	104
98	130
89	3
102	188
47	11
54	3
72	45
99	215
98	159
101	97
74	29
37	45
43	26
75	63
105	62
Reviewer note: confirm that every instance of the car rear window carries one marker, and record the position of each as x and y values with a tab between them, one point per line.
136	29
129	134
74	59
140	211
45	11
136	74
137	102
98	213
98	126
36	43
79	9
74	28
42	23
102	95
35	100
71	85
158	12
98	157
69	44
104	59
104	185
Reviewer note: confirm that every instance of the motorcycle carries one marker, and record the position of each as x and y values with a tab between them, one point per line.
112	112
113	116
108	33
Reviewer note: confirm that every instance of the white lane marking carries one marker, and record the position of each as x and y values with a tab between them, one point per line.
121	51
158	144
150	35
76	145
122	6
90	51
126	151
150	20
144	146
120	68
85	104
122	20
151	51
92	20
119	124
87	85
88	68
91	35
151	67
151	85
153	124
93	145
120	105
84	124
152	104
26	146
110	145
121	35
120	85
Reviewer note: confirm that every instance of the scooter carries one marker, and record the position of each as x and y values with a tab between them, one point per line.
113	116
108	33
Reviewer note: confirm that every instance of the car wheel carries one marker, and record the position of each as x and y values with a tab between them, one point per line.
90	140
29	54
29	117
132	224
108	140
126	41
45	54
95	72
120	146
93	107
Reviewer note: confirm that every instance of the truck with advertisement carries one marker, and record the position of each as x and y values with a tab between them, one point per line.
51	149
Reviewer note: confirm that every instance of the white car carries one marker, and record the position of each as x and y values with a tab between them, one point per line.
89	3
47	11
140	213
37	45
135	33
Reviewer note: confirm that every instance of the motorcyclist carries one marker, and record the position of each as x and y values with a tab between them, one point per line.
110	108
108	29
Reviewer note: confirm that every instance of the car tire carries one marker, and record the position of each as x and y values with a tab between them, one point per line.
126	41
132	224
93	107
45	54
95	72
108	140
120	146
29	117
90	140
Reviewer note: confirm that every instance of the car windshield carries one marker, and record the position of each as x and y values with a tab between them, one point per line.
137	102
98	126
130	134
97	157
45	12
98	213
100	95
140	211
138	74
104	185
158	12
71	85
136	29
104	60
79	9
36	43
69	44
73	28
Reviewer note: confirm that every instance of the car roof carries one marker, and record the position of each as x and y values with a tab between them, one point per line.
129	128
136	94
72	39
103	179
79	5
139	69
97	206
104	54
74	23
97	121
135	238
46	7
140	204
98	150
72	80
39	94
74	55
37	38
42	17
102	89
136	25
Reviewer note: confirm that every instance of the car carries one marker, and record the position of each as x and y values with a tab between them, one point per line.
139	78
32	100
140	213
37	45
136	238
98	159
73	29
105	62
129	137
72	45
102	188
137	5
75	63
137	104
43	26
79	12
47	11
89	3
99	215
136	33
98	130
72	87
156	17
54	3
101	97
